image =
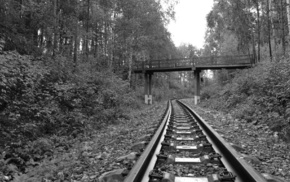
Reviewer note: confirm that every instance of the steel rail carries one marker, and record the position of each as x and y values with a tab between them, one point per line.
233	161
137	172
230	158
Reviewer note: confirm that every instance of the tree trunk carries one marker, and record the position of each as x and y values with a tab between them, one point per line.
274	28
106	38
2	43
96	40
269	29
130	60
282	22
101	38
61	38
75	48
87	32
258	26
254	49
41	36
113	42
288	16
54	29
76	42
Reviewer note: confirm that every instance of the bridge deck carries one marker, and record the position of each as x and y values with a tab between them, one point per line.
198	63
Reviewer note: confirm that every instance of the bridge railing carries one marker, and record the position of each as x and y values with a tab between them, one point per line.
223	60
196	61
164	63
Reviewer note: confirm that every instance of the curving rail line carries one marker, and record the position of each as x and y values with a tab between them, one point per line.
186	149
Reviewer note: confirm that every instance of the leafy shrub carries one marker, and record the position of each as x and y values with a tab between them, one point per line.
210	91
25	95
50	170
258	94
39	101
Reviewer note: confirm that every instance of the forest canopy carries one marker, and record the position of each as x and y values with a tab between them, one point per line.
66	71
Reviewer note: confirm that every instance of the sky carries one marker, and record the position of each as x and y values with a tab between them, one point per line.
190	22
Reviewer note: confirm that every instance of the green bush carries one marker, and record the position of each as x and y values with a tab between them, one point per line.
38	101
257	94
210	91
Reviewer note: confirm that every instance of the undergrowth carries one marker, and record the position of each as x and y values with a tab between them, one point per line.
45	107
260	95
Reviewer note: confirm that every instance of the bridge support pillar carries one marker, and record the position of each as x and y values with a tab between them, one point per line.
148	88
196	74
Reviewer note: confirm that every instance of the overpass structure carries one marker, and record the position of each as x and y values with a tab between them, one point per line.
196	64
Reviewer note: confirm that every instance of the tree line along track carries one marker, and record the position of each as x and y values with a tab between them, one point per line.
185	148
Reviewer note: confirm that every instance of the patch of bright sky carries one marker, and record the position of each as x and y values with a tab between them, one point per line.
190	23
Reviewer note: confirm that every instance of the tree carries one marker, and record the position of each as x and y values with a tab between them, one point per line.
250	28
103	32
256	2
288	14
269	29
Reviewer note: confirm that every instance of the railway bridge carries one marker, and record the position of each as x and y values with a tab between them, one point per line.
196	65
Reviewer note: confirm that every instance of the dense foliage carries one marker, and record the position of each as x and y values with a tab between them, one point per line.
258	27
66	72
257	95
115	32
38	102
260	94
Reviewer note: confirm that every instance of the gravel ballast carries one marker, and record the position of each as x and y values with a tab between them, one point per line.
258	145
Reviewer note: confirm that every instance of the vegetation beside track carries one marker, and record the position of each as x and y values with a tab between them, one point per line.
256	143
46	110
259	95
50	116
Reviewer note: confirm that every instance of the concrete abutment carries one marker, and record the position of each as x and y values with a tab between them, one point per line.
148	98
196	74
148	87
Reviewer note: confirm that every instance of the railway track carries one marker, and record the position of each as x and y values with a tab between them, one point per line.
186	149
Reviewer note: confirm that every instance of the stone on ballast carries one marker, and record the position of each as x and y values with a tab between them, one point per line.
168	177
251	159
271	178
151	130
237	148
117	175
131	156
153	126
145	137
137	147
170	159
102	156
